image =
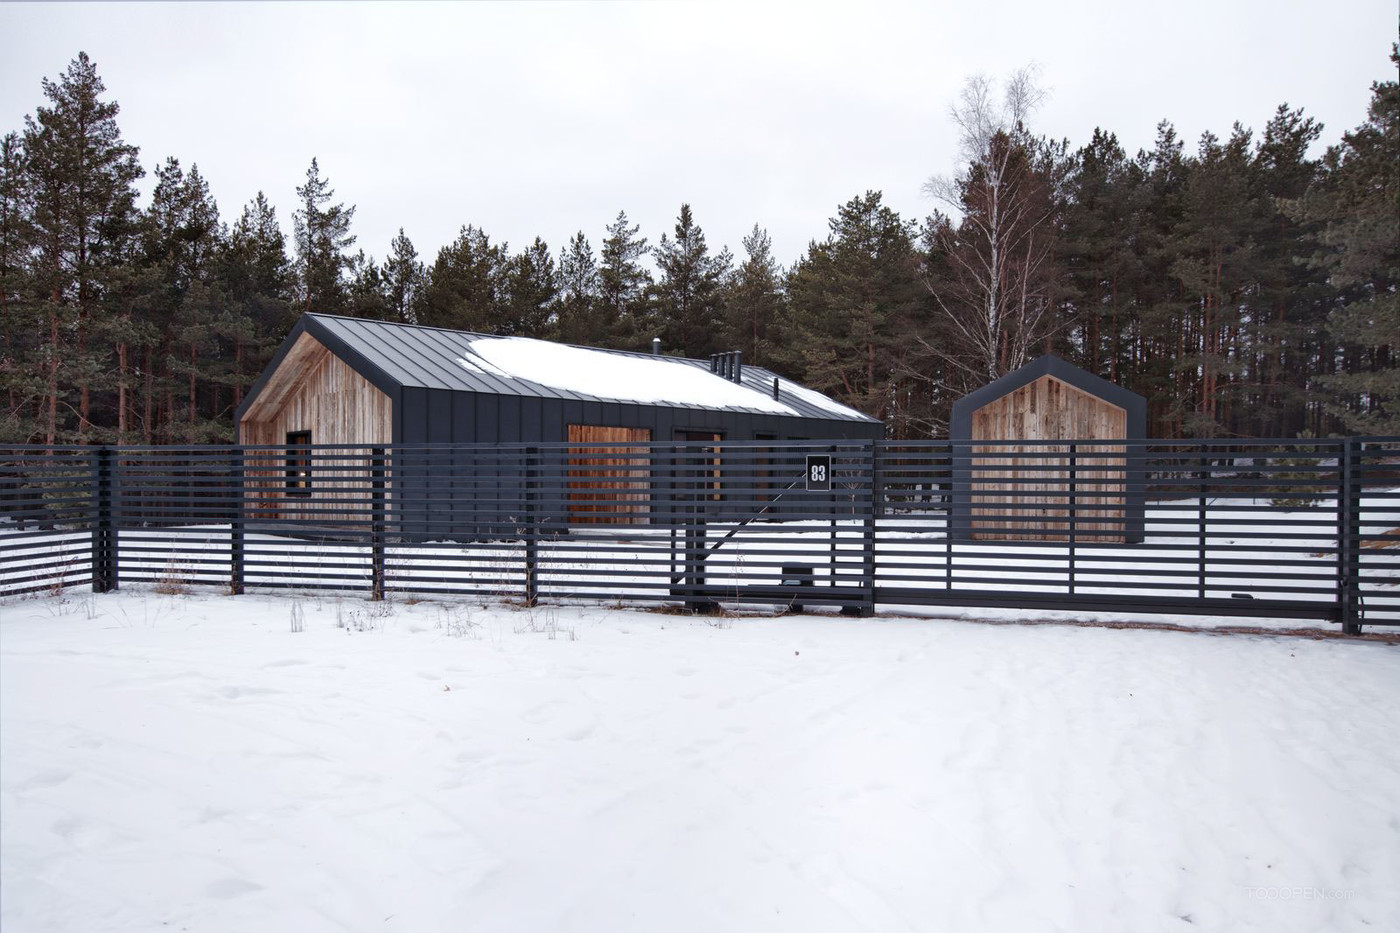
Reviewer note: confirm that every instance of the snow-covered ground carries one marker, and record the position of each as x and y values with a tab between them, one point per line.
192	763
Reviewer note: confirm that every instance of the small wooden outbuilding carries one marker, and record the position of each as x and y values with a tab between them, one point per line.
1050	434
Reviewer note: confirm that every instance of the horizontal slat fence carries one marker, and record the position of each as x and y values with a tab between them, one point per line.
1280	529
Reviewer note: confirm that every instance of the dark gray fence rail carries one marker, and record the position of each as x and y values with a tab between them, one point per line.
1282	529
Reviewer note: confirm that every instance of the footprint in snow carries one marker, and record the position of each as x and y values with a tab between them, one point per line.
236	693
76	832
227	888
44	779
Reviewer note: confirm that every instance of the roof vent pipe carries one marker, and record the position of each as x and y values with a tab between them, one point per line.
656	346
737	373
775	388
714	363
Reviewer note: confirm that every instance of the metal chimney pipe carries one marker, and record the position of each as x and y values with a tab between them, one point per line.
739	366
775	388
656	346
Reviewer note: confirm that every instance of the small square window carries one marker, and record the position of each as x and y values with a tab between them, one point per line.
298	463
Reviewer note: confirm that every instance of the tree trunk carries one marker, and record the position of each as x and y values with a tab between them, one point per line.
150	395
121	392
51	428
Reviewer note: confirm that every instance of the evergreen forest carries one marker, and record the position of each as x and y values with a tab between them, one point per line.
1246	284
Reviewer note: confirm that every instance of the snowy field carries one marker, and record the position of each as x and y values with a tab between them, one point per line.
191	762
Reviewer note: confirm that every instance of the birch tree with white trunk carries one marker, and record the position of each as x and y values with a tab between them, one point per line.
993	275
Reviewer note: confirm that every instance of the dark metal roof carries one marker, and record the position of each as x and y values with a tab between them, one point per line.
388	353
1050	365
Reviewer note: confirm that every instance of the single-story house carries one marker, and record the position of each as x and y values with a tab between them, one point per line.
371	384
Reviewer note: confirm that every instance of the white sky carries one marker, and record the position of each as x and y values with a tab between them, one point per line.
544	118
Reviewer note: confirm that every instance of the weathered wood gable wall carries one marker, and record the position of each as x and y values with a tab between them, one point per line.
314	390
1022	491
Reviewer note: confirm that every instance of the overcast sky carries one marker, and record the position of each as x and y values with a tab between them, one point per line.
542	119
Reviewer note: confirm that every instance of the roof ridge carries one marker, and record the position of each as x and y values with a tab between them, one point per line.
473	333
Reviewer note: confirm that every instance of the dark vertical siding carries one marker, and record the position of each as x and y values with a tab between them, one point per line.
424	416
509	428
414	415
488	420
463	415
439	427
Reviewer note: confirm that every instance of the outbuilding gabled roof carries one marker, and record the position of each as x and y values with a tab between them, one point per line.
392	355
1134	405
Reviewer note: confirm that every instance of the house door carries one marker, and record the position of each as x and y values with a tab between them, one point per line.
609	485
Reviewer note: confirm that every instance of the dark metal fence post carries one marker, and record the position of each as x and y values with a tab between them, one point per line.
695	546
831	507
957	507
104	540
532	531
1201	527
1348	539
696	532
877	488
236	520
868	536
1073	509
376	556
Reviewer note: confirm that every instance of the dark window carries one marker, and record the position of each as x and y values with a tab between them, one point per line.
298	463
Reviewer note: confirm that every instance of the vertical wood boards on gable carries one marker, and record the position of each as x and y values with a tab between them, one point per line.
609	485
1022	491
314	390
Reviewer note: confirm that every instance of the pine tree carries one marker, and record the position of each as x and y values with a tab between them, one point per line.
81	175
322	233
853	301
184	241
1098	250
754	298
1358	202
259	280
21	378
1289	312
577	320
462	291
256	267
624	319
404	278
367	294
688	300
530	289
1162	305
1219	269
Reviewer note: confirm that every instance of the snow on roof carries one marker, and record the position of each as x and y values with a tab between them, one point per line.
461	361
653	379
816	399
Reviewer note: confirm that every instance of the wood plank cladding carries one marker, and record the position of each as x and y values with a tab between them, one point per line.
314	391
612	484
1030	500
